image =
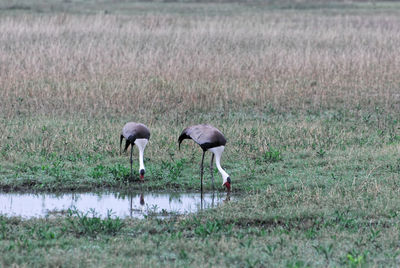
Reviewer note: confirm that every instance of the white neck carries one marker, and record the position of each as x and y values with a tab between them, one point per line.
141	144
217	151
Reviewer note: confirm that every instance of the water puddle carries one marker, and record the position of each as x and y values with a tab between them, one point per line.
135	205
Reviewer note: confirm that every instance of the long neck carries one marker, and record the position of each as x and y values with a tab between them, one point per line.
141	144
218	153
220	169
141	164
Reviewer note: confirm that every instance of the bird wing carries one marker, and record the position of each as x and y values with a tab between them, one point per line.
205	135
199	133
135	131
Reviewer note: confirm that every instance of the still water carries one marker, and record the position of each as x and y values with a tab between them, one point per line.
135	205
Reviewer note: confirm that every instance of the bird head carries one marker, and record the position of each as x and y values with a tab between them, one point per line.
141	172
182	137
227	183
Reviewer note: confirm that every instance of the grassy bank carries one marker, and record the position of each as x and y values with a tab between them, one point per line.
307	96
79	154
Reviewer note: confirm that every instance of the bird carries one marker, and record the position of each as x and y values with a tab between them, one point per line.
210	139
139	134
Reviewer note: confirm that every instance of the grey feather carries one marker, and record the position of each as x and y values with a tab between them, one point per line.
205	135
135	131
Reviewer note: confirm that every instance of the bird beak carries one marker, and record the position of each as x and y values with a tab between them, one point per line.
141	173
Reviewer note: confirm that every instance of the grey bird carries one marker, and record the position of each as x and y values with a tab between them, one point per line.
139	134
210	139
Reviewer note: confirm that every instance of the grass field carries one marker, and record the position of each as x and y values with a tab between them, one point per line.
307	94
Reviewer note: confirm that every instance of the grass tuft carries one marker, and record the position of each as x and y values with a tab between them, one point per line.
90	224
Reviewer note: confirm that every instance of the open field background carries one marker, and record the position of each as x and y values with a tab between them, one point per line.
307	94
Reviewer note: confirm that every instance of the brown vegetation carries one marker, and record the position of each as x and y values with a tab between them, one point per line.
112	64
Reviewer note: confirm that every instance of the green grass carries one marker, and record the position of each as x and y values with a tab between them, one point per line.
307	95
271	149
321	192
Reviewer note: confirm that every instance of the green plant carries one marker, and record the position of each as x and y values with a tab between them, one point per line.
172	170
98	171
119	171
3	228
211	227
355	261
91	224
272	155
325	250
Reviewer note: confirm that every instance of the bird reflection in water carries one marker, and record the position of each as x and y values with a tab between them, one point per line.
141	201
202	201
228	197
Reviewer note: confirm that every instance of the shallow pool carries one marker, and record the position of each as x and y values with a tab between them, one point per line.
134	205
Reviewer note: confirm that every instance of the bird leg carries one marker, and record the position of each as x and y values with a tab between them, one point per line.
202	169
211	170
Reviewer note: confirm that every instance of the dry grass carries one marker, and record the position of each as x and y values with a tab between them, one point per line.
114	64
